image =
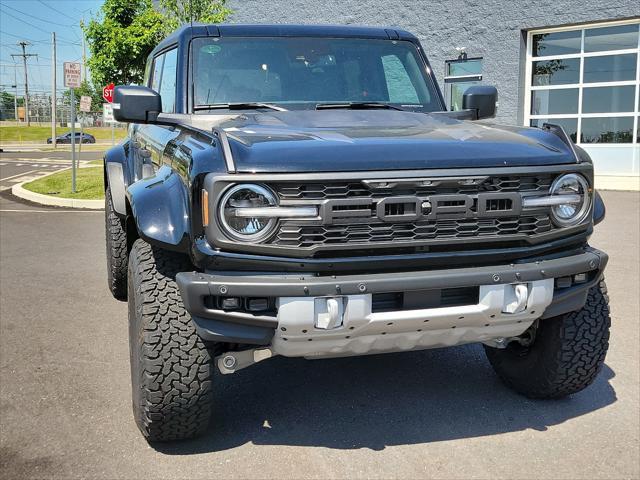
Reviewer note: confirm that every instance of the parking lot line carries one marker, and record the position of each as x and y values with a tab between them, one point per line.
9	210
17	175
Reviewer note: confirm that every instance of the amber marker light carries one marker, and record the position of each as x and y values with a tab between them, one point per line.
205	208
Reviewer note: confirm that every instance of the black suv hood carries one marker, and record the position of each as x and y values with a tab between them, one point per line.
352	140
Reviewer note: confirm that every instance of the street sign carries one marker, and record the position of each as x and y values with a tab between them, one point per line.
72	79
85	103
72	76
107	113
107	92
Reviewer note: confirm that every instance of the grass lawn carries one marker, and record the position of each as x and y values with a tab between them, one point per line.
89	184
37	134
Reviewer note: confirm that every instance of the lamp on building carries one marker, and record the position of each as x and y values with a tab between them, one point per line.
462	54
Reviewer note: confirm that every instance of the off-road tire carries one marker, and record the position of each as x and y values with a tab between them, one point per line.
566	356
171	368
117	258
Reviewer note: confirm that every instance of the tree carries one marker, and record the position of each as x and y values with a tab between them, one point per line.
120	40
7	110
86	89
178	12
125	32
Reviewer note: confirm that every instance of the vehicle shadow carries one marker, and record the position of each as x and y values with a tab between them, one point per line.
376	401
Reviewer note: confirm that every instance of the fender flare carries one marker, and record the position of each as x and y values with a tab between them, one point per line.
599	209
115	178
160	208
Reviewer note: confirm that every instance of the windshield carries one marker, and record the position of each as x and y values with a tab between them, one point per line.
302	72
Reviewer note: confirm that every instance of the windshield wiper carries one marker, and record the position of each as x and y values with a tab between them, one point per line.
239	106
357	106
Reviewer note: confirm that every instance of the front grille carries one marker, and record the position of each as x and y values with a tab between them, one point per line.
292	235
364	226
330	190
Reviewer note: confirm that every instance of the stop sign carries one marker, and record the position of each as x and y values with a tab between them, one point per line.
107	93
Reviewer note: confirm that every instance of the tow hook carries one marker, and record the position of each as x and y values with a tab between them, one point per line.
516	298
525	340
231	362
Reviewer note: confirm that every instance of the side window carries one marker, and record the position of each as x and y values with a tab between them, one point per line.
157	73
168	83
459	75
147	73
399	85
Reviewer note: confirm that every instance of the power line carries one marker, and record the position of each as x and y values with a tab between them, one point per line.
9	45
39	65
22	37
69	43
57	11
37	18
20	19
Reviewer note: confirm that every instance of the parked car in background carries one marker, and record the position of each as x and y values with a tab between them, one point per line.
80	138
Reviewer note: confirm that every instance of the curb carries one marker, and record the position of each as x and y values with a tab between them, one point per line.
25	194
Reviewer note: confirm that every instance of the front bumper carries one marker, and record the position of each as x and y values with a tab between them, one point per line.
246	328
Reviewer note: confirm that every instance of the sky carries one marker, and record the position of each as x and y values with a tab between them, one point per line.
33	21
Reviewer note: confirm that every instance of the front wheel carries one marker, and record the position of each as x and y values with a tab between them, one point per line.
171	368
566	354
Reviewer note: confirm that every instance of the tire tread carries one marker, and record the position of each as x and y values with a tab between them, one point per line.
174	392
117	252
573	358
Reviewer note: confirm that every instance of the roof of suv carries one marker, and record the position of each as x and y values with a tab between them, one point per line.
338	31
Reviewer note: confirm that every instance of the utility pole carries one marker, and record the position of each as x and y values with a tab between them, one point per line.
15	97
84	52
24	56
53	89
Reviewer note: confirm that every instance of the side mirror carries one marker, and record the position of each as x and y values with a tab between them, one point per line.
136	104
483	99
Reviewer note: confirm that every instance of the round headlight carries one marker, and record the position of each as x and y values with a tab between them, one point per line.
236	223
576	189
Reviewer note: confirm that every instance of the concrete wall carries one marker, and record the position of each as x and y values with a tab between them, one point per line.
491	29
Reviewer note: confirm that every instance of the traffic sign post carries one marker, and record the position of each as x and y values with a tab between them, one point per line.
107	94
85	106
85	103
71	81
73	141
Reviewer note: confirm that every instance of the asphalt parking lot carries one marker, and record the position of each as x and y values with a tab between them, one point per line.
65	395
17	167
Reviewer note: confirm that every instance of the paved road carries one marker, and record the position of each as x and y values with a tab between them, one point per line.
16	167
65	396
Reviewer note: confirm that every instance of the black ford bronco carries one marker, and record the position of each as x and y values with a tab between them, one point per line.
302	191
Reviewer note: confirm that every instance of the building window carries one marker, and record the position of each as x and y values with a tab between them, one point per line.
460	74
586	79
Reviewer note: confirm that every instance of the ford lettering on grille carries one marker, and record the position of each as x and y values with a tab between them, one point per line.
412	208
